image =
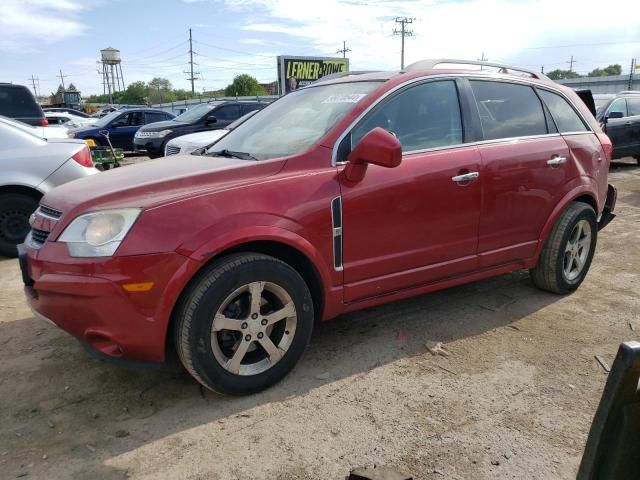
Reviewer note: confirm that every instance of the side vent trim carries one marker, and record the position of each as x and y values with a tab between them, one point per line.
336	224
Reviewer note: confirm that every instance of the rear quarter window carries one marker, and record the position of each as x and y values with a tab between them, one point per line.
508	110
18	102
566	118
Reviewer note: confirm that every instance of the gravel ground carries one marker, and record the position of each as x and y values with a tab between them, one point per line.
513	399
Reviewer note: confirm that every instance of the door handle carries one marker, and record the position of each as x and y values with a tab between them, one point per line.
555	161
466	177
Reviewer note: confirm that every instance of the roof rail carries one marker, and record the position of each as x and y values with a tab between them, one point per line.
430	64
627	92
333	76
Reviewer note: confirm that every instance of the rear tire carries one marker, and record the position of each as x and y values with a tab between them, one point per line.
243	323
568	251
15	210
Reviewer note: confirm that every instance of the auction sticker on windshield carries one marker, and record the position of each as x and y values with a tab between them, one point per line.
345	98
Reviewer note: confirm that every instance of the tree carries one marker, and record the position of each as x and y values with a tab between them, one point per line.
243	86
559	74
614	69
135	94
160	91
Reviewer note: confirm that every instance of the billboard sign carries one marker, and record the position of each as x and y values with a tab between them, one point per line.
297	72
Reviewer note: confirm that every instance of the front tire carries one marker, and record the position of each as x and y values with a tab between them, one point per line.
15	209
568	251
243	323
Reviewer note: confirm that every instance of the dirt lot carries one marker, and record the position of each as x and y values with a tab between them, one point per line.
513	400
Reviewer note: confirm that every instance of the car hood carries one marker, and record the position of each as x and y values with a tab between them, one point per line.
199	139
159	126
157	182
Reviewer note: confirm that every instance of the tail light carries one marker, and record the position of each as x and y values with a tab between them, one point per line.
607	146
44	122
83	157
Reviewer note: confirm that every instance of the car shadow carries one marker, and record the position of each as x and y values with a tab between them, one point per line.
46	376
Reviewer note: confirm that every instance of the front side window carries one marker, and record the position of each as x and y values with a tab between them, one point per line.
136	119
422	117
508	110
566	118
296	121
633	105
618	105
227	112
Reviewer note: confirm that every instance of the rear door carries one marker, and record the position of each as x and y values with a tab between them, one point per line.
619	129
418	222
524	169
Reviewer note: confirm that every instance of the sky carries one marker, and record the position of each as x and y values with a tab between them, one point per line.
42	37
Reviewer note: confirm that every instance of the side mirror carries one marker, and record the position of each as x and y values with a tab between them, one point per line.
378	147
211	119
615	115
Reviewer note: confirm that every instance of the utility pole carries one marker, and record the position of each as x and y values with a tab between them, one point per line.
62	77
33	82
192	78
344	49
633	66
482	59
571	62
403	32
542	69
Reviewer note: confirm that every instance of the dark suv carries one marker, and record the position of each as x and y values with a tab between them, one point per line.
621	121
17	102
205	116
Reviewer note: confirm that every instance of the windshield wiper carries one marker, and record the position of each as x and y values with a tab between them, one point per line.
232	154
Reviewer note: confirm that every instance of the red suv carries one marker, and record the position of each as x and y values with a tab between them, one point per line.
355	191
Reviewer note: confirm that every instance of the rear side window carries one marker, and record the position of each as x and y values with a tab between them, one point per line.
18	102
633	104
422	117
566	118
508	110
156	117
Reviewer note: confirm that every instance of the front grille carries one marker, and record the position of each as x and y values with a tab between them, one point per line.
172	150
37	237
49	212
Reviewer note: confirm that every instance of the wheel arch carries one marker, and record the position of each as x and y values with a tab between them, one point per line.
21	189
289	254
580	194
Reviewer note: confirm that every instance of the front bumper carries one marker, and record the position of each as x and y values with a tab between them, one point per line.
151	145
609	206
86	298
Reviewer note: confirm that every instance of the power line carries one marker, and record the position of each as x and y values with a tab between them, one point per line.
234	51
403	32
581	45
344	49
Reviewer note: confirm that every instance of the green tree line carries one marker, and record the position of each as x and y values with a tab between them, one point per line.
160	90
559	74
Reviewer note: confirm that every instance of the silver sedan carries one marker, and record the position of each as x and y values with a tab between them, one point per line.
30	166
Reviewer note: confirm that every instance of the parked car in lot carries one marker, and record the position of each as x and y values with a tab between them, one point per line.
71	111
67	119
122	125
349	193
202	140
620	118
205	116
17	102
30	166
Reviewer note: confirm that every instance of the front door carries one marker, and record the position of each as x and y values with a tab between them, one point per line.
619	129
418	222
122	129
633	110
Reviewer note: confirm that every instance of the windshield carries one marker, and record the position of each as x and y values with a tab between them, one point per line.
195	113
296	121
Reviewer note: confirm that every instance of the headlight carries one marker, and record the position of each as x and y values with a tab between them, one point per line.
98	234
160	134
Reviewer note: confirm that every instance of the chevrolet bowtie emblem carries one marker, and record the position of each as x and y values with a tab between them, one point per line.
32	219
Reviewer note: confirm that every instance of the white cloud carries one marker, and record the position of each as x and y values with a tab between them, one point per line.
24	24
504	29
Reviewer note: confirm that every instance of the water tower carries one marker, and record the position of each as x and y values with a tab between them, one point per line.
112	79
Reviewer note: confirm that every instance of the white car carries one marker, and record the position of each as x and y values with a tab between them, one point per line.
69	120
193	141
30	166
42	132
